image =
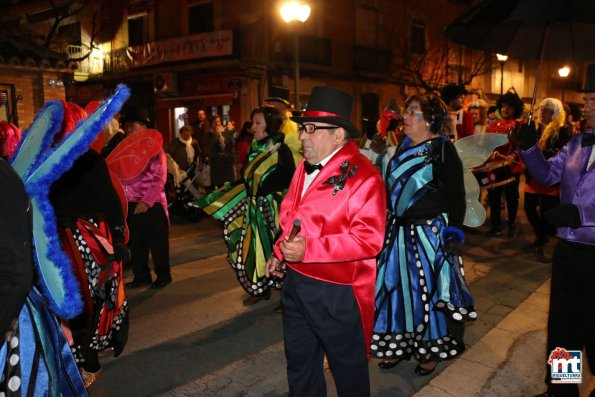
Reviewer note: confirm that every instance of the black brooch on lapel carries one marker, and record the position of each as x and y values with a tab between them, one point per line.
338	181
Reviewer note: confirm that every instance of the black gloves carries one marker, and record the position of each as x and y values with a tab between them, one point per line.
565	215
122	253
452	239
526	137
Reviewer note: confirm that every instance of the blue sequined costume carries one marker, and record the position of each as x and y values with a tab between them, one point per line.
418	284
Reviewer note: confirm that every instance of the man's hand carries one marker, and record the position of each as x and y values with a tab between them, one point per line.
565	215
526	137
141	208
294	251
274	268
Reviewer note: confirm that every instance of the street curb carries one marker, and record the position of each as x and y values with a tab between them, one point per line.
492	351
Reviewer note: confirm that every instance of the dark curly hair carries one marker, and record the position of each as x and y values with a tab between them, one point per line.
452	91
512	99
434	112
272	118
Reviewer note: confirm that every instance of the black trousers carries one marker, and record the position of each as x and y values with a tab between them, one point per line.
511	190
319	318
571	322
149	232
536	218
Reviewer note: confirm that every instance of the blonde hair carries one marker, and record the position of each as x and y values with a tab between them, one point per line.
551	131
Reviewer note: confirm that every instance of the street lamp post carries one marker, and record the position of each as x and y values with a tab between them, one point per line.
296	11
563	72
501	59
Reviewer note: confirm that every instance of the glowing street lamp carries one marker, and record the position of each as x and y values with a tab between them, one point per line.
563	72
296	11
501	58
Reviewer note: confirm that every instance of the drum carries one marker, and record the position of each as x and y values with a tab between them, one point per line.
493	174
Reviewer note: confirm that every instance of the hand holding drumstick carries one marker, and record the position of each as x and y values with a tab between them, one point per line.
290	248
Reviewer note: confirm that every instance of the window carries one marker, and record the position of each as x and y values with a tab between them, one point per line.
71	33
314	50
8	104
371	59
418	37
138	30
200	18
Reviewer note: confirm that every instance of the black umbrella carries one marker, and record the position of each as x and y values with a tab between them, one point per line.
531	29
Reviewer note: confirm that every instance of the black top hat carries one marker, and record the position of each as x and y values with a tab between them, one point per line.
332	106
452	91
590	80
278	94
136	113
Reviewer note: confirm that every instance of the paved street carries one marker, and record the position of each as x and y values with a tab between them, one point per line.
194	337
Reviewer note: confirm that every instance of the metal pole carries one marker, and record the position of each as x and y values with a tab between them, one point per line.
296	77
501	78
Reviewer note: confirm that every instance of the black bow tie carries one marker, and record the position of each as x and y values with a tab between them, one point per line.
587	139
310	168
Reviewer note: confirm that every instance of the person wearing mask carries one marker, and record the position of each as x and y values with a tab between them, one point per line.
571	321
422	301
553	134
337	205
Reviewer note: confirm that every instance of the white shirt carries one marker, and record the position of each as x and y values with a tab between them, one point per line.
309	178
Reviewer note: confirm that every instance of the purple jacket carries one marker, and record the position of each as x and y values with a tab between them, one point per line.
577	184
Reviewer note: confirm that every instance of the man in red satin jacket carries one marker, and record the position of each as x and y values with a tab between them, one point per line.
330	266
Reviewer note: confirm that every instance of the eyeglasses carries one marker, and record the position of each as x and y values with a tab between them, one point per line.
311	128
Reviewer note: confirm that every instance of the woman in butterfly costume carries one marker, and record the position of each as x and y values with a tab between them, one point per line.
92	229
421	296
35	357
250	207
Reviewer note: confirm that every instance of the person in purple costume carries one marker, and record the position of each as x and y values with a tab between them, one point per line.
571	322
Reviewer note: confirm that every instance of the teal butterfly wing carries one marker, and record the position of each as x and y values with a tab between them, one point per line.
38	138
57	281
474	150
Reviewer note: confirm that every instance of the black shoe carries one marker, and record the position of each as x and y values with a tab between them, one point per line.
160	283
137	284
421	371
388	364
249	301
512	231
539	255
278	309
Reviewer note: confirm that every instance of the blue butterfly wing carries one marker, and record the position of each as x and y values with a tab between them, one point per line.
57	281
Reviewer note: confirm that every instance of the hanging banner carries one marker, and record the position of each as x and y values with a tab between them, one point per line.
203	45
